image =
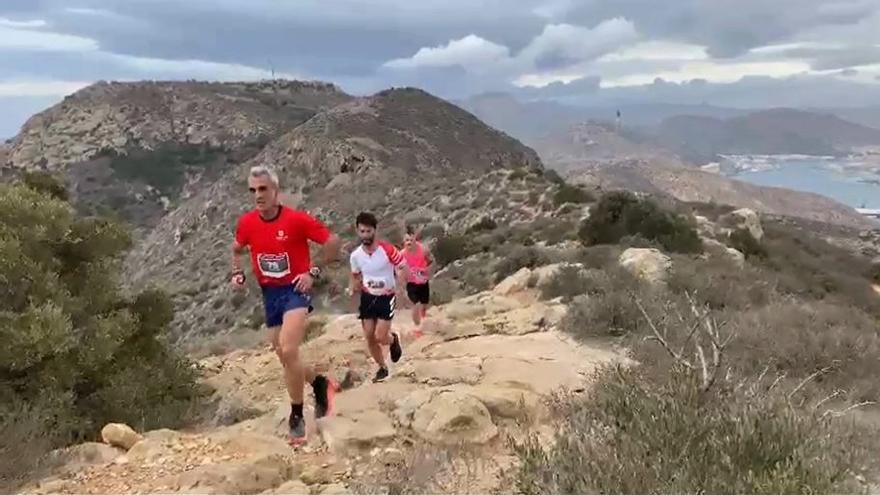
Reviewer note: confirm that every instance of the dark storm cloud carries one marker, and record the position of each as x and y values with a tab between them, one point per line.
837	58
727	27
330	39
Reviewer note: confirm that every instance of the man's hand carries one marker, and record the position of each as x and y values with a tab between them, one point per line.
303	283
238	281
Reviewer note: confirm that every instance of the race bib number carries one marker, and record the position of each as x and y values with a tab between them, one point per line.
375	284
274	265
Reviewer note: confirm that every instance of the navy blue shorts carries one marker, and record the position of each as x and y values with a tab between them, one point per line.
280	300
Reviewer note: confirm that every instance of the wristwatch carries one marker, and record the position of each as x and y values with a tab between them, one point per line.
315	272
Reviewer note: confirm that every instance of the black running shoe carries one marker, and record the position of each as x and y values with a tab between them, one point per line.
381	375
325	391
396	350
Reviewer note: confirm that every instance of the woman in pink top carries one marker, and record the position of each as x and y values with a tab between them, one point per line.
419	261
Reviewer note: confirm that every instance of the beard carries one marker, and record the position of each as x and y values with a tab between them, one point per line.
367	241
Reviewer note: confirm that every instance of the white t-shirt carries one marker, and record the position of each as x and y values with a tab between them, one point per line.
377	269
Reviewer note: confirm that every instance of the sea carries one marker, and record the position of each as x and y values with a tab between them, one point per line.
848	181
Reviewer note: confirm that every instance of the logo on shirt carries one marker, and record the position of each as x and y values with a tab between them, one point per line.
281	236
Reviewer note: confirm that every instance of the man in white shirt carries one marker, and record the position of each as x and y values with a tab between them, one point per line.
374	278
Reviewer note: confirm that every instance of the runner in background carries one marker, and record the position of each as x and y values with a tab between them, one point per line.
418	290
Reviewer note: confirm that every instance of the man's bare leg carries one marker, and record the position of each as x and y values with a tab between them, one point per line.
296	373
417	314
373	345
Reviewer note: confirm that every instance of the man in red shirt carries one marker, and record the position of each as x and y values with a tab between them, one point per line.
278	238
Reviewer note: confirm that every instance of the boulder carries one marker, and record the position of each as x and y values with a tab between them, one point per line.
748	219
155	445
648	264
439	372
120	435
89	453
255	476
719	249
366	430
518	282
508	403
452	418
316	475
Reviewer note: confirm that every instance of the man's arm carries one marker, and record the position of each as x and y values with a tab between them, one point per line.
330	250
239	245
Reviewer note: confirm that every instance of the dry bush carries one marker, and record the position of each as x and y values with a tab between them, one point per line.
26	436
568	282
681	422
718	282
798	339
810	267
638	433
607	309
519	257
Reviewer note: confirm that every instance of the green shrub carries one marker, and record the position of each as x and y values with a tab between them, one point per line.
553	176
518	174
449	248
622	214
519	257
568	282
608	309
76	349
164	167
45	183
571	194
638	433
484	224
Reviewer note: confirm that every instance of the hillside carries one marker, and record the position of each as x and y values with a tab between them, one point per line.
530	120
134	149
693	185
595	143
402	154
775	131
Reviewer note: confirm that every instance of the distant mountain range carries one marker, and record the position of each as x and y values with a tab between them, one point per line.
697	133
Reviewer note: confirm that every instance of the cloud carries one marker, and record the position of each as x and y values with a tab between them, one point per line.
40	88
26	35
561	45
557	46
470	52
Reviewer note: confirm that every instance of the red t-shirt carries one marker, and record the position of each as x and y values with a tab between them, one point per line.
279	247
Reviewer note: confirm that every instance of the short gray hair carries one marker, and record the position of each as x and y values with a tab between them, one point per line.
264	171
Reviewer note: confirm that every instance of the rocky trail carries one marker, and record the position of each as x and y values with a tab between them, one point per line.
484	365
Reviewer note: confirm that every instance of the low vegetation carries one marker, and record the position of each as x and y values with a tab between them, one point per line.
75	348
622	214
165	167
567	193
746	380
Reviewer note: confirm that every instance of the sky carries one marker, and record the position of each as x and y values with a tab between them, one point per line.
744	53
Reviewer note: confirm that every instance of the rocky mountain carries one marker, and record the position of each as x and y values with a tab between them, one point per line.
402	153
135	148
597	143
689	184
530	120
774	131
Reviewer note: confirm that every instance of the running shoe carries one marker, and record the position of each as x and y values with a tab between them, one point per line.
325	393
297	434
396	350
381	375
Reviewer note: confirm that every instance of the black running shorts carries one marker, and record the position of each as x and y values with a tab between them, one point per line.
418	293
376	307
